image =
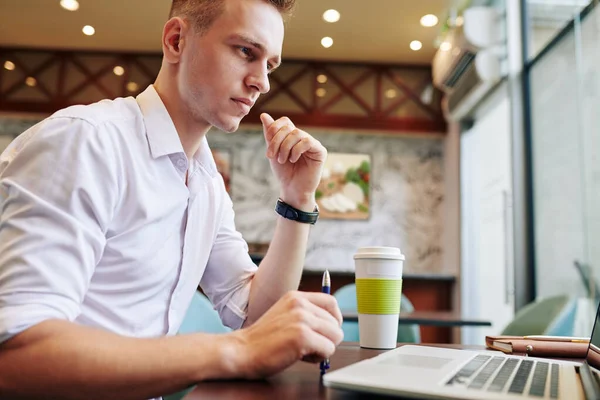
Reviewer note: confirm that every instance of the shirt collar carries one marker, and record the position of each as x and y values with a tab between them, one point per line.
160	130
205	158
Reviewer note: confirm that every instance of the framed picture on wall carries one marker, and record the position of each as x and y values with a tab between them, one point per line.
223	160
344	190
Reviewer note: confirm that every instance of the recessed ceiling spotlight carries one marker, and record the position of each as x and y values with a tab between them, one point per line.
416	45
390	93
321	92
322	78
331	15
327	42
132	86
88	30
30	81
445	46
118	70
71	5
9	65
429	20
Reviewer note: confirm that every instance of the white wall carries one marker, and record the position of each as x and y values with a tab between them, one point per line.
487	267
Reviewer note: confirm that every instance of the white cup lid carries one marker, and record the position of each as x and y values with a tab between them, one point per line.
393	253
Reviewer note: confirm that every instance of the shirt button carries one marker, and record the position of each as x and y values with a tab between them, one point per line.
181	164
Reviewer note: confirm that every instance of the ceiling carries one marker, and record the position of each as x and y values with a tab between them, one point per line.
376	31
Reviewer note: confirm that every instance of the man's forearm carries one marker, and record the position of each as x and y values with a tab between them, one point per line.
281	268
59	359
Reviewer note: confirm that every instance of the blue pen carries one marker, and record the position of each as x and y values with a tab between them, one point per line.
325	288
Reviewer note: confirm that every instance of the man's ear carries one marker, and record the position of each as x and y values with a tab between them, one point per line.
172	39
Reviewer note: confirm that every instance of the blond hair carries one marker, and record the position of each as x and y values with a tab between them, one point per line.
202	13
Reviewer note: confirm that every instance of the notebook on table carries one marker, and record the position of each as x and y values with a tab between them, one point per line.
439	373
540	346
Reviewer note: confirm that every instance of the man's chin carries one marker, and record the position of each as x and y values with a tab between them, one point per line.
228	126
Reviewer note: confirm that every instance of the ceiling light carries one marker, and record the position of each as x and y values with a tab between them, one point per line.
445	46
118	70
327	42
416	45
71	5
9	65
321	92
88	30
429	20
331	16
132	87
390	93
321	78
459	20
30	81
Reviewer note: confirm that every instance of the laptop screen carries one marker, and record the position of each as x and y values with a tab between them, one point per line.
593	355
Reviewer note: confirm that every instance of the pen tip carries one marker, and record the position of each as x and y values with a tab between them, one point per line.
326	278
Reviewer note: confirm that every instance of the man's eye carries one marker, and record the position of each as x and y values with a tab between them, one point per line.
247	51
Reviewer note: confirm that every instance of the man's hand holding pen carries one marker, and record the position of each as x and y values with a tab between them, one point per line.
300	326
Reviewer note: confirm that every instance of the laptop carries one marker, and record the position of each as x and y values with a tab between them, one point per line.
439	373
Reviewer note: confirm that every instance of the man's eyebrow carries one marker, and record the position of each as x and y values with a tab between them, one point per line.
259	46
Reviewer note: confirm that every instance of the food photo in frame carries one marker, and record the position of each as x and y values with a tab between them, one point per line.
344	190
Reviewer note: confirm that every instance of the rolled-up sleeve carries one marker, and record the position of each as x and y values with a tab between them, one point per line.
229	272
58	190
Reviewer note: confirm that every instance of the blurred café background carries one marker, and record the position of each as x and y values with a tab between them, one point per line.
465	132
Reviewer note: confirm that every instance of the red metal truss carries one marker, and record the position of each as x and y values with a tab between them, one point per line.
296	93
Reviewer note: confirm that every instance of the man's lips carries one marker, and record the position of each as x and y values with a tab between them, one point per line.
244	104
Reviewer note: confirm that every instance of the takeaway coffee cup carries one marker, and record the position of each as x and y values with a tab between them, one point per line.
378	277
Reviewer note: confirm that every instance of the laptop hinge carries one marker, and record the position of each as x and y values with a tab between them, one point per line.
589	382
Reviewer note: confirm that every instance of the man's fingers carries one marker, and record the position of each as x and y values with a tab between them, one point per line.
326	302
274	145
300	148
270	127
291	140
267	121
317	347
322	322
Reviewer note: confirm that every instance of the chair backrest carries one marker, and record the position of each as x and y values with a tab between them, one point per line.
202	317
346	298
548	316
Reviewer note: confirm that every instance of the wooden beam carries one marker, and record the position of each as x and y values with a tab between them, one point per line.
409	93
29	73
366	75
91	79
348	91
374	117
284	86
399	125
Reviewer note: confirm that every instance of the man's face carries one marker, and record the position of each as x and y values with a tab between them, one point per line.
223	72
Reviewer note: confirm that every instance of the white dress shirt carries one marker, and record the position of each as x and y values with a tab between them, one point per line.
97	225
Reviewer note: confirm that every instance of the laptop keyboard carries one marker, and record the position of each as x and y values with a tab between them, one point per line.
509	375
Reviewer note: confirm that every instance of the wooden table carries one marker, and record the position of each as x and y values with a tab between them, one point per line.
300	381
431	318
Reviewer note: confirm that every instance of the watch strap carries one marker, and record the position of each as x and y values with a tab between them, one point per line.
291	213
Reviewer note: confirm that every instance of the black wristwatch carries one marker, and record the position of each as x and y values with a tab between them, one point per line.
289	212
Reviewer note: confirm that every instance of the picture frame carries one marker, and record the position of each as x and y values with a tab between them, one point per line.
344	191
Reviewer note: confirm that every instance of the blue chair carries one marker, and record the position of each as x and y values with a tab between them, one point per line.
554	316
346	298
202	317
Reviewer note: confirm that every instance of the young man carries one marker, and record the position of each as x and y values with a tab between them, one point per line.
113	213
